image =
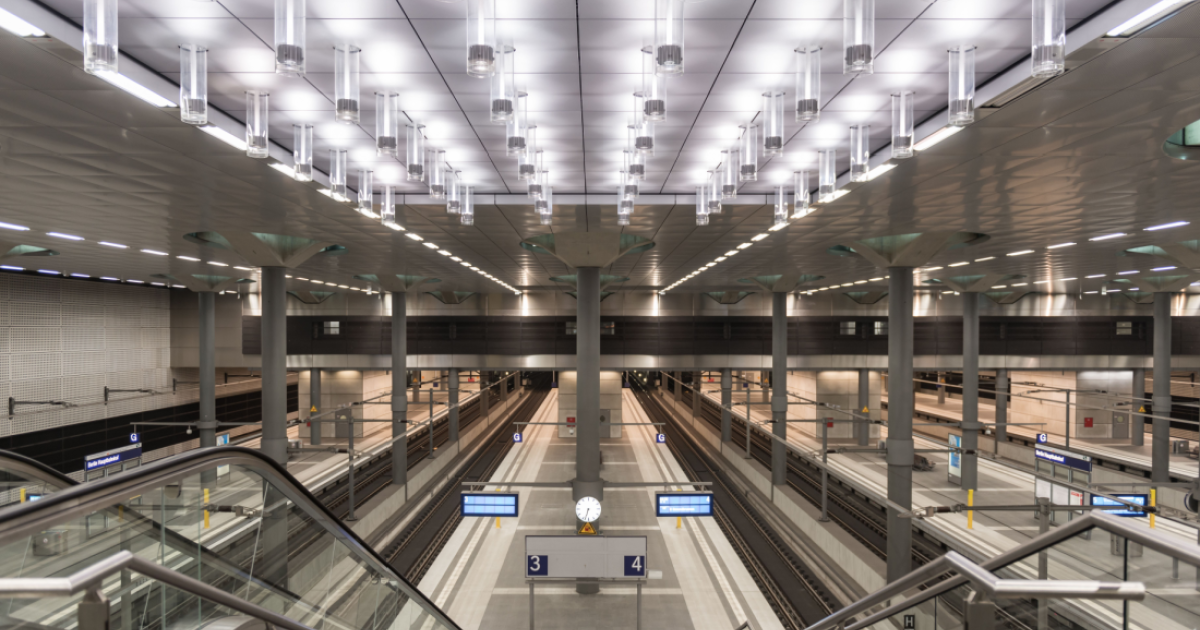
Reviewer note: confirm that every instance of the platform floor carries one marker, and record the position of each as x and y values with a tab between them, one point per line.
478	579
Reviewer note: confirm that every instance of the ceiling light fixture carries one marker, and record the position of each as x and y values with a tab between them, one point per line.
1048	58
1162	268
224	136
134	88
1068	279
1099	275
247	269
188	258
1020	253
932	268
11	268
1166	226
430	245
1147	18
778	226
1060	245
114	245
744	245
961	109
284	168
936	137
1127	273
1107	236
414	237
131	280
759	237
49	272
985	259
960	264
218	264
154	252
80	275
878	170
19	27
110	279
69	237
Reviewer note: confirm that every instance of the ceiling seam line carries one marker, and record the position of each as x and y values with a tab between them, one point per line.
582	126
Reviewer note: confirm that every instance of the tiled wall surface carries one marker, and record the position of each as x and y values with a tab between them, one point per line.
834	387
1048	411
610	398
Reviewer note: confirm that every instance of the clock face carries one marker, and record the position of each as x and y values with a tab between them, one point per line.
587	509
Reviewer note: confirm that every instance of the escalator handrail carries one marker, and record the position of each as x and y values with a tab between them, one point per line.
34	470
26	519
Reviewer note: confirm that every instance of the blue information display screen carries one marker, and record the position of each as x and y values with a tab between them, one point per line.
489	504
1139	499
683	504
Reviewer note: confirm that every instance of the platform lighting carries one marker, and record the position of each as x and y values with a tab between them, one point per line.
537	185
289	37
936	137
437	173
624	211
545	200
466	216
642	130
302	153
903	133
802	200
772	123
453	191
628	188
256	123
748	172
962	264
860	152
187	258
415	153
1107	236
826	174
858	36
224	136
1020	253
69	237
701	205
19	27
961	110
100	36
713	194
13	226
414	237
366	192
387	127
979	260
283	168
1127	273
193	84
1166	226
515	130
654	88
808	84
1049	38
430	245
1098	275
758	237
1060	245
504	85
730	163
668	36
732	252
337	174
346	76
118	246
635	164
781	206
481	38
529	160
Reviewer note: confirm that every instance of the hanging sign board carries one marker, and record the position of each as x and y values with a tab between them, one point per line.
1122	509
683	504
1063	458
96	461
585	557
490	504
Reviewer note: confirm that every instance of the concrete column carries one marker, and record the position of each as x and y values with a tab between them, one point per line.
862	430
697	378
587	352
779	347
485	394
762	380
1160	447
726	401
416	386
941	390
970	393
900	412
314	395
678	386
207	426
452	403
1001	406
1138	423
399	388
274	364
504	387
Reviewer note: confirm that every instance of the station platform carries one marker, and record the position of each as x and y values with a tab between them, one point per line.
478	578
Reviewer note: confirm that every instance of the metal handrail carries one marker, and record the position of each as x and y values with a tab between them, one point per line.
88	579
1012	588
34	470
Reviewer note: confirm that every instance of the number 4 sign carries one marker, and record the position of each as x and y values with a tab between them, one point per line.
635	566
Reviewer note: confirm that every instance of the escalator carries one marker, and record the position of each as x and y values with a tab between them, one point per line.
219	538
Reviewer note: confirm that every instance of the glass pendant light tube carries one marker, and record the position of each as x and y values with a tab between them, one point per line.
515	140
504	85
337	174
1049	38
256	123
545	205
781	205
537	185
902	125
635	164
345	83
730	163
772	126
624	211
193	84
289	37
713	193
387	129
100	36
366	192
826	173
808	84
481	38
302	153
437	173
453	193
415	155
802	200
860	152
748	171
466	215
858	36
654	88
701	205
529	161
962	86
643	128
629	187
668	36
387	205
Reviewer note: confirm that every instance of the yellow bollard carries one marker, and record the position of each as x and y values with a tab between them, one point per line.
970	513
1153	498
206	511
678	522
22	495
497	522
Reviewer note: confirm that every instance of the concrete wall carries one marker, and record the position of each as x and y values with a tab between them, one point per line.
1098	407
1050	411
610	400
834	387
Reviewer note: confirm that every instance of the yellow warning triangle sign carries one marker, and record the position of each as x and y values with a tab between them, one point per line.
313	410
587	529
865	410
1142	409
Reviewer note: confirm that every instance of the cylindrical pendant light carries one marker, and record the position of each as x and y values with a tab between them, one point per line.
256	123
668	36
860	152
366	192
701	205
643	128
387	129
730	163
962	86
654	88
337	174
481	38
826	173
800	204
781	205
387	205
624	211
289	37
537	185
193	84
415	155
749	154
302	153
713	194
504	85
858	36
437	173
545	203
808	83
453	193
100	36
345	83
629	187
515	140
1049	38
529	161
902	125
466	215
772	125
635	164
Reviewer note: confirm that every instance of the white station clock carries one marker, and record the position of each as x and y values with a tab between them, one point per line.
587	509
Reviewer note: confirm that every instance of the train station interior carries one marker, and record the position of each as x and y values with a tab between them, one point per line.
600	314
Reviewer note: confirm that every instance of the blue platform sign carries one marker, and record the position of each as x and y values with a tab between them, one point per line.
134	438
490	504
635	566
660	438
537	566
518	438
954	465
96	461
1124	510
683	504
1063	458
1042	438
